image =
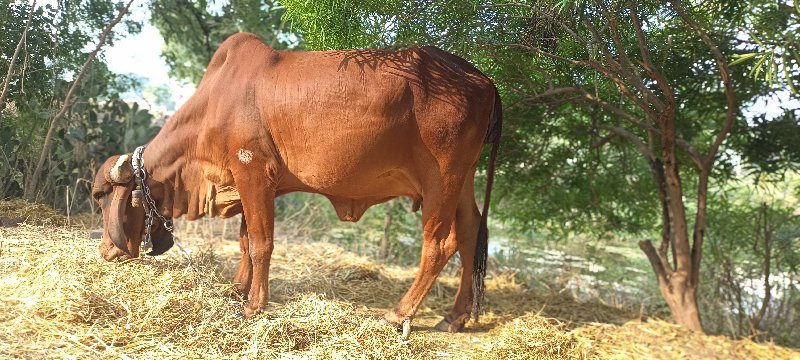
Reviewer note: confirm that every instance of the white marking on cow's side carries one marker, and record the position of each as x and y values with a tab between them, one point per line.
245	156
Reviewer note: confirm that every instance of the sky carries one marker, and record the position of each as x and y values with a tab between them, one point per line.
140	55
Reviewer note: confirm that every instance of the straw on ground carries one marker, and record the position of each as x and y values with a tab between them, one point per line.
59	299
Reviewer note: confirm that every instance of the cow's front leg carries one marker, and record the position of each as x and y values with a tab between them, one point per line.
260	225
244	275
258	202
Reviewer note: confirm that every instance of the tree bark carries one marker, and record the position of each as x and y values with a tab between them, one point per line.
22	40
33	181
681	298
679	293
680	288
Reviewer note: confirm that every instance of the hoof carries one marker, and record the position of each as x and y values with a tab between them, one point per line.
406	329
248	312
443	325
242	289
403	324
453	327
393	319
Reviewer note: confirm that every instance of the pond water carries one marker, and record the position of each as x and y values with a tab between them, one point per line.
615	275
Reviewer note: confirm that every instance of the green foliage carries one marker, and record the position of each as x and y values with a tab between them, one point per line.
736	259
192	31
771	147
560	173
97	125
159	95
770	47
93	132
353	24
312	216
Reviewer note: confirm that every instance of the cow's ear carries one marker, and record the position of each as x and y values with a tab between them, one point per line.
162	241
115	220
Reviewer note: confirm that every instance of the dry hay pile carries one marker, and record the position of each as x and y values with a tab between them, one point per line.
59	299
14	212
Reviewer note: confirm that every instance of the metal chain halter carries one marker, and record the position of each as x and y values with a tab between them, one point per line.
151	211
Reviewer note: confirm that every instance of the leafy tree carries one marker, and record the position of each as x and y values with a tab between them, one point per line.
15	56
33	180
56	47
769	44
754	260
770	146
192	31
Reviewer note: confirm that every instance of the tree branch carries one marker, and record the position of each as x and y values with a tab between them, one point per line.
647	63
708	161
657	168
627	67
643	148
30	191
690	149
766	233
22	40
724	74
619	69
656	261
624	89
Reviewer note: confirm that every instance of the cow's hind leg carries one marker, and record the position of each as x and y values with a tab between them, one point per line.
244	275
467	223
437	248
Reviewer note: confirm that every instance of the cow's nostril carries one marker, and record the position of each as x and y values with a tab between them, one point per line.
112	253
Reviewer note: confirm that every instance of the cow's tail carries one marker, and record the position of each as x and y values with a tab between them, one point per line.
482	245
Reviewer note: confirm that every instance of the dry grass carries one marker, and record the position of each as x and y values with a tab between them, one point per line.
59	299
17	211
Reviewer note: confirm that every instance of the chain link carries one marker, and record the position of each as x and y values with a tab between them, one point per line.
151	211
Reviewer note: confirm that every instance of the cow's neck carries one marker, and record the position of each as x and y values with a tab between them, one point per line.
169	161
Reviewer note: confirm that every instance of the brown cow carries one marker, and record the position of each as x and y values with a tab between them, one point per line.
357	126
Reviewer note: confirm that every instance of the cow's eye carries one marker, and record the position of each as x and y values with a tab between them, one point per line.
99	195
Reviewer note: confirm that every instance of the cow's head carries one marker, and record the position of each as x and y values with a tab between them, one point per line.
123	223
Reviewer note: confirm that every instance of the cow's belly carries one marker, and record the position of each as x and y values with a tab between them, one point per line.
383	171
355	179
360	156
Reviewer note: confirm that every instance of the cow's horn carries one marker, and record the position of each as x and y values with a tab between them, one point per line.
122	171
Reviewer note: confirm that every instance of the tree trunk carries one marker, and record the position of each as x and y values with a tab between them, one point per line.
676	287
32	184
677	281
766	234
681	298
